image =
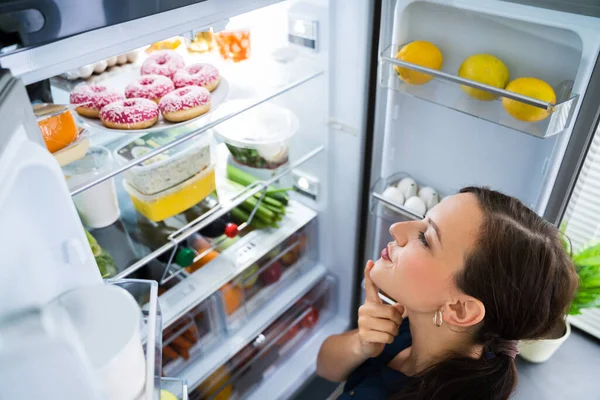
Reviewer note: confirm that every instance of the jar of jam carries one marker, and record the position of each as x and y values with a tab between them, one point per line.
234	44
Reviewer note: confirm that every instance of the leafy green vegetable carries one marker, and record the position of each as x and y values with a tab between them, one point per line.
587	264
106	265
96	249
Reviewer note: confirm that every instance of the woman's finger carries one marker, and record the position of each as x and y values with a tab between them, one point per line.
379	324
371	291
384	311
376	337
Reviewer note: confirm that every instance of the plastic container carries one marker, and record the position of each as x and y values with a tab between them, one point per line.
261	281
57	126
259	137
97	206
191	336
167	169
175	200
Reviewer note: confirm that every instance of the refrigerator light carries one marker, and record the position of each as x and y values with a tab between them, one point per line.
305	184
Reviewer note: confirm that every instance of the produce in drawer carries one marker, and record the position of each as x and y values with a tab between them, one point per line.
185	103
168	168
311	319
200	74
175	200
233	296
213	386
162	62
272	274
249	276
259	137
129	114
421	53
57	126
483	68
206	258
92	98
151	87
531	87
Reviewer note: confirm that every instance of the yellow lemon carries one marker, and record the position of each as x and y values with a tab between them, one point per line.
166	395
531	87
483	68
421	53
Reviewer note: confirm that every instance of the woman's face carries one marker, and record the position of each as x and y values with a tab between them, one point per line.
417	268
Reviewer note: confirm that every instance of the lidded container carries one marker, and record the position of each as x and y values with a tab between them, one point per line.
259	137
97	206
167	169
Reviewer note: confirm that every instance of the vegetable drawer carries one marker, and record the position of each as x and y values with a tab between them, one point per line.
263	280
256	361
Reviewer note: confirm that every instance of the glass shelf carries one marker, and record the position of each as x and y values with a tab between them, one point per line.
250	84
444	90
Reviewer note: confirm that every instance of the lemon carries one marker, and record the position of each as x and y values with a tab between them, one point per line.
483	68
421	53
166	395
531	87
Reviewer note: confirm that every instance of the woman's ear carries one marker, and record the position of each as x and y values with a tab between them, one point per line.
464	312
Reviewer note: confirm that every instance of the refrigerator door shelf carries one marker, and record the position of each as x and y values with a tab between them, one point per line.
444	90
174	385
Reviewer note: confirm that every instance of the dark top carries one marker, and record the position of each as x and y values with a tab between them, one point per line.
374	380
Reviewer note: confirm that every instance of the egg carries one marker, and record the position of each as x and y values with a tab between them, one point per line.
132	56
100	67
86	71
408	187
122	59
111	62
416	205
393	194
429	196
71	75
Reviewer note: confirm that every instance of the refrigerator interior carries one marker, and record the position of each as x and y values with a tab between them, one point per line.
442	138
326	152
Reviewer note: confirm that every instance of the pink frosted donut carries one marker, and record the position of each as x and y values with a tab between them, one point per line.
130	114
185	103
204	75
92	98
151	87
163	62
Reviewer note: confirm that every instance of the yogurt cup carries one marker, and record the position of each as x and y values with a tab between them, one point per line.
98	206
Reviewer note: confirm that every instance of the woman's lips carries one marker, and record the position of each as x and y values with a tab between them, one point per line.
385	254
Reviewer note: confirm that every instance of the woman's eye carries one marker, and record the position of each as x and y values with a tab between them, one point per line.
423	239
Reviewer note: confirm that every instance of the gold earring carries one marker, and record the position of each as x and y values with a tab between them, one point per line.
437	318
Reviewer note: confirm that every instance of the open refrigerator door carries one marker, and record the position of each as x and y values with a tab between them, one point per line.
439	126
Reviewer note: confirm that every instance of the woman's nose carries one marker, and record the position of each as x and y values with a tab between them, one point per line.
399	232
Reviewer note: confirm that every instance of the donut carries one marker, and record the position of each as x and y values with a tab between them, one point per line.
204	75
130	114
151	87
92	98
185	103
164	62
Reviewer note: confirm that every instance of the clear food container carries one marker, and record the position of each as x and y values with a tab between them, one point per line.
261	281
256	361
160	206
98	206
190	336
259	137
168	168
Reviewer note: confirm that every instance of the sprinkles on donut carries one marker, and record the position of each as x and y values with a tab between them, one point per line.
185	103
204	75
151	87
135	113
92	98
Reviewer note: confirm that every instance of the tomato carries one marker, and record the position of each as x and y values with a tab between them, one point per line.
231	230
311	319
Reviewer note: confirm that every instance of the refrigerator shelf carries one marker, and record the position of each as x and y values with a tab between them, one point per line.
174	385
219	354
250	85
444	90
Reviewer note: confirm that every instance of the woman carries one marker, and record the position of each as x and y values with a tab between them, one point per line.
480	272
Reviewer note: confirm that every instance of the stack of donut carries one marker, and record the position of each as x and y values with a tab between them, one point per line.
166	86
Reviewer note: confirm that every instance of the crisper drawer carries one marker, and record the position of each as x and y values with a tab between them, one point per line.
190	336
263	280
259	359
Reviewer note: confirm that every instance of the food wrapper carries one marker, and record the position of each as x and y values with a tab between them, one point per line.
57	126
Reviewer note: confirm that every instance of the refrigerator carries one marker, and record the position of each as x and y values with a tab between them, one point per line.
361	129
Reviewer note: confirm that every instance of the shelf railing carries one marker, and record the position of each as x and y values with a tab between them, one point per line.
444	90
215	213
400	209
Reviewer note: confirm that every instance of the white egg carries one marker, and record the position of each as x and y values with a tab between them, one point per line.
111	62
86	71
393	194
122	59
100	67
416	205
71	75
429	196
408	186
132	56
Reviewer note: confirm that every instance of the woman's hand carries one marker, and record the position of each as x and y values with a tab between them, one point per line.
378	323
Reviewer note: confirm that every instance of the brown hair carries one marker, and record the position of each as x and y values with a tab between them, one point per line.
521	272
